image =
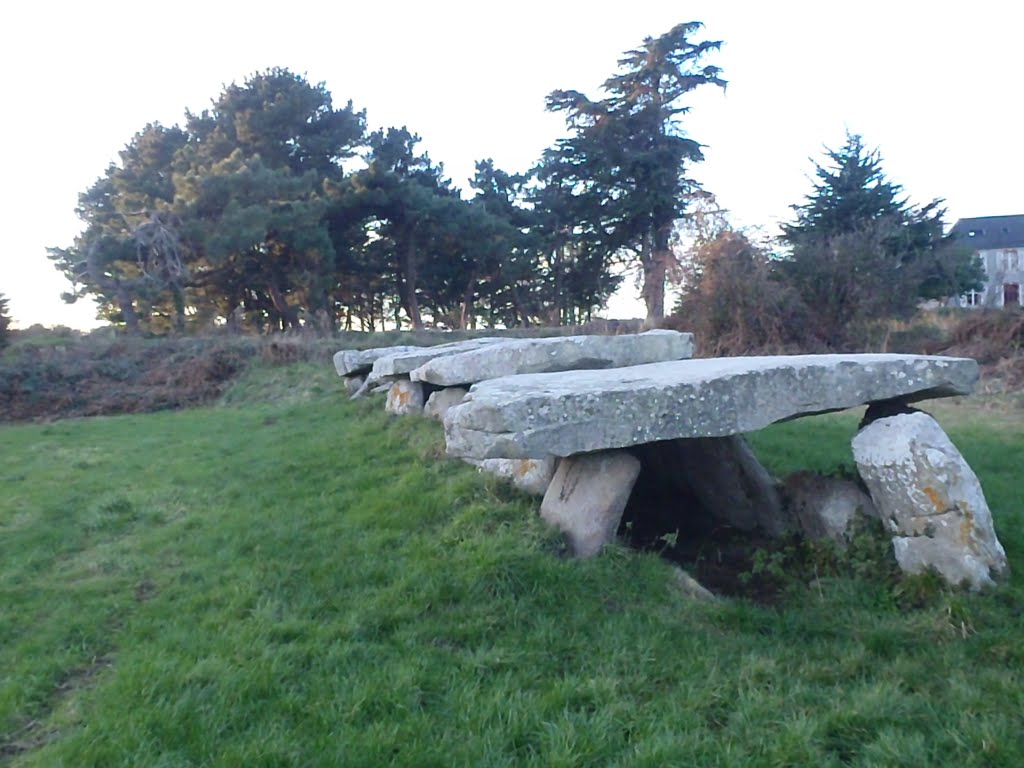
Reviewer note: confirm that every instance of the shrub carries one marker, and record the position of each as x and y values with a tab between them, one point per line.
733	304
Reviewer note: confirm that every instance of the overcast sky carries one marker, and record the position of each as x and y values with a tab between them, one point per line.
936	86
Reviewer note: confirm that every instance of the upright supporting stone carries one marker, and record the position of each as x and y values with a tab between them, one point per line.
930	498
354	383
587	496
440	401
730	482
405	397
531	476
826	507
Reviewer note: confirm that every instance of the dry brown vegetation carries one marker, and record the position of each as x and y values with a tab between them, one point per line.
50	378
61	374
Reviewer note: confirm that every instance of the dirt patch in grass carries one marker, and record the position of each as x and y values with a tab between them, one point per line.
666	519
722	558
35	733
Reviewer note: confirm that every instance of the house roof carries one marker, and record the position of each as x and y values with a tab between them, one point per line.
986	232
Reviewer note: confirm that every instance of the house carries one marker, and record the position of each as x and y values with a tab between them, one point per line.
999	242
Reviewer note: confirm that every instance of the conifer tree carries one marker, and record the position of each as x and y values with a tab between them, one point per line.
627	157
859	252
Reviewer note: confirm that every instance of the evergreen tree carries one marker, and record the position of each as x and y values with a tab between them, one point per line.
221	219
252	187
130	256
859	252
628	156
406	202
574	255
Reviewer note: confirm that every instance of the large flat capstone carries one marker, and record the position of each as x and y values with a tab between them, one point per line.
565	353
350	362
562	414
402	361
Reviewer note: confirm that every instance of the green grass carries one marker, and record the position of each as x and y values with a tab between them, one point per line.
295	579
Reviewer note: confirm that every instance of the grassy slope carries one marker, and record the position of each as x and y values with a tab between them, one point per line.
306	582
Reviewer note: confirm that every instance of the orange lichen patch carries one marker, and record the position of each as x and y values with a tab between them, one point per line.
966	527
941	505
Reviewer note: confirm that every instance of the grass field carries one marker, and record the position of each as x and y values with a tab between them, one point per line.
292	579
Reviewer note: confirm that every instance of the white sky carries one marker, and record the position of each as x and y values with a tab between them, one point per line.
937	86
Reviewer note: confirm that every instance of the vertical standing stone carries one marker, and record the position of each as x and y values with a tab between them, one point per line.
532	476
930	498
440	401
826	507
723	477
587	496
405	397
354	383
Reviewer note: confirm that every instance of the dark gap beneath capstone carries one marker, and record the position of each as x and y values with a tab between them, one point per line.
665	515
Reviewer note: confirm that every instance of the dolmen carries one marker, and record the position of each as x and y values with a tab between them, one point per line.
594	423
430	380
679	424
415	376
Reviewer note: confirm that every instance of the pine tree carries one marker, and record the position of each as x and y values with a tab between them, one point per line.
627	159
860	253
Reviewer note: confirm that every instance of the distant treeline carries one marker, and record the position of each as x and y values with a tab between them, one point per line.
275	209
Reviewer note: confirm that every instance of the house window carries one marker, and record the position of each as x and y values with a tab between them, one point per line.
972	299
1012	258
1011	294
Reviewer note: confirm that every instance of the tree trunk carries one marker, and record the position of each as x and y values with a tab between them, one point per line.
655	258
412	304
289	319
654	291
179	310
466	315
517	303
557	317
131	318
232	319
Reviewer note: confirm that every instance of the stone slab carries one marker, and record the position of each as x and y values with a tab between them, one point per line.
826	507
350	362
532	476
929	496
401	363
405	398
565	353
534	415
440	401
587	497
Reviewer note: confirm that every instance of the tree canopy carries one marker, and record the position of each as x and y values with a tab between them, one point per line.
626	162
275	209
859	252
